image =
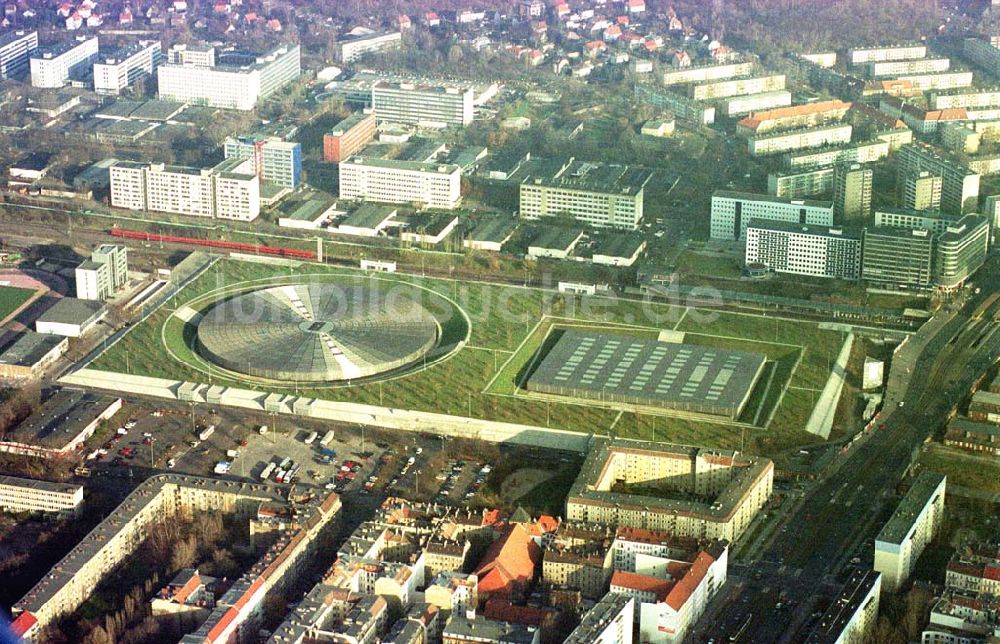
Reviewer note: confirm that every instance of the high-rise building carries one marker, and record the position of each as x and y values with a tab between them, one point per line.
420	104
896	256
101	276
434	185
818	251
274	160
799	184
353	47
912	526
31	495
16	48
349	136
52	67
982	54
601	195
732	212
226	79
960	250
852	192
922	191
114	71
959	185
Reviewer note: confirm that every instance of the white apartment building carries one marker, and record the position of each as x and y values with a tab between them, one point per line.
864	55
738	87
30	495
421	104
228	80
434	185
753	102
897	68
103	274
932	220
817	251
732	212
610	621
982	54
865	152
117	70
977	100
16	48
814	137
707	73
351	48
52	67
453	593
274	160
909	530
959	185
850	619
947	80
231	190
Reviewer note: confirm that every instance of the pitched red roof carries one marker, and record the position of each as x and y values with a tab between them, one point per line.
642	583
191	585
22	624
687	584
503	610
510	562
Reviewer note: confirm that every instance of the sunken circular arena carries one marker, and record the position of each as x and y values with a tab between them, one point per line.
317	332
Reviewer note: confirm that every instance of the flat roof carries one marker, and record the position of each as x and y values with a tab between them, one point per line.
71	310
60	418
309	210
753	196
555	237
395	164
620	245
778	134
598	618
986	398
157	110
35	484
60	48
495	229
369	215
351	121
29	348
835	232
595	177
630	369
964	425
432	222
843	609
486	629
11	36
917	498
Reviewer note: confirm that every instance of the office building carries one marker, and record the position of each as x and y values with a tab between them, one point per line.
736	87
31	495
959	185
865	152
52	67
226	79
595	194
865	55
817	251
273	159
351	48
932	220
702	73
681	106
114	71
922	191
794	117
850	619
16	49
349	136
852	192
718	491
422	104
610	621
231	190
960	250
100	277
982	54
899	68
912	526
61	425
776	142
428	184
897	256
738	105
732	212
799	184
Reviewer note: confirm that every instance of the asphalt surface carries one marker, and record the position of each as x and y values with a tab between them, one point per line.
839	518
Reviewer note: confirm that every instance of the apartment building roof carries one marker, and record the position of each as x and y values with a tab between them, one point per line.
597	618
642	583
755	120
914	501
483	629
11	36
350	122
54	51
844	608
36	484
780	134
750	196
509	562
836	232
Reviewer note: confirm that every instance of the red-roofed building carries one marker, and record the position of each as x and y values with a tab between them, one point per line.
644	588
508	568
562	9
636	6
431	19
405	22
503	610
23	625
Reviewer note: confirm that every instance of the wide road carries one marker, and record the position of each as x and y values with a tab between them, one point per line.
932	372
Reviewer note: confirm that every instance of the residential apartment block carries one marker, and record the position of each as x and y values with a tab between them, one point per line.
852	192
817	251
979	99
601	195
864	55
423	104
433	185
31	495
351	48
100	277
231	190
227	79
799	184
732	212
851	616
982	54
959	185
736	87
705	73
610	621
349	136
16	49
864	152
776	142
921	191
681	106
794	117
738	105
274	160
909	530
900	68
52	67
975	568
114	71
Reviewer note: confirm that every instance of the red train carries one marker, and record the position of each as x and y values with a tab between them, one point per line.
256	249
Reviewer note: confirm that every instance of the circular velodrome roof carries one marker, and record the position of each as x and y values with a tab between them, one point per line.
317	332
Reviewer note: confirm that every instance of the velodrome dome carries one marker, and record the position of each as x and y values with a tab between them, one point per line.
317	332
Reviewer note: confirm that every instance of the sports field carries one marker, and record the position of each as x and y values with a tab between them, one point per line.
502	328
12	298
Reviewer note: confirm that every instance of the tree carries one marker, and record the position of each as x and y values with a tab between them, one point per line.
184	553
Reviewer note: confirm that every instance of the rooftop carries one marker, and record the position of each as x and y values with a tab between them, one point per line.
369	216
752	196
70	310
792	227
485	629
595	177
494	229
919	497
60	418
52	51
855	592
597	618
351	121
35	484
29	348
620	245
11	36
395	164
555	237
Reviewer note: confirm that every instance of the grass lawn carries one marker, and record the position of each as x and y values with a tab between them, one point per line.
12	298
963	468
481	379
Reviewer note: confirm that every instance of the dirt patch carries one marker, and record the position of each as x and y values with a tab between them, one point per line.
523	481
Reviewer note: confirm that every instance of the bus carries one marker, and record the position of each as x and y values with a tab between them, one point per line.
267	471
327	438
310	438
205	433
